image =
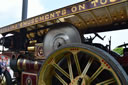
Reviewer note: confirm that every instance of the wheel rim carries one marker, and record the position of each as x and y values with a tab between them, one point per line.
77	66
2	79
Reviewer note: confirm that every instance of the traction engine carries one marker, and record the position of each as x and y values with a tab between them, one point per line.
52	48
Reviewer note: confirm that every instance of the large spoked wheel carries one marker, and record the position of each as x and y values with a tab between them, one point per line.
5	78
79	64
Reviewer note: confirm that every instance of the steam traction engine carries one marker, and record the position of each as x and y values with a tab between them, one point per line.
50	49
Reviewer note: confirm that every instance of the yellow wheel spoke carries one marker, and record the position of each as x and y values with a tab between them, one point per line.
87	66
106	82
70	67
99	70
3	80
77	63
61	70
60	79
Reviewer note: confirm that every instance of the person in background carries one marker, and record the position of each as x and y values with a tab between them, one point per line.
3	64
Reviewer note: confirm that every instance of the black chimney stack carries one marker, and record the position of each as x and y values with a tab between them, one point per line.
24	9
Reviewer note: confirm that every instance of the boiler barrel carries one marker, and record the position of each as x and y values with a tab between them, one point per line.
25	65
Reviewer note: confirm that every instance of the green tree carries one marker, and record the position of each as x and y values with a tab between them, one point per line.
119	50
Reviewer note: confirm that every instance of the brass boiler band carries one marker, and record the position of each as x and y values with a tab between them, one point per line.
25	65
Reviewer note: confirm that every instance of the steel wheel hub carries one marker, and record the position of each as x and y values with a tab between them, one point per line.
59	41
80	80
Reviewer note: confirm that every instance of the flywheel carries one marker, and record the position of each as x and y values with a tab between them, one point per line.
79	64
60	35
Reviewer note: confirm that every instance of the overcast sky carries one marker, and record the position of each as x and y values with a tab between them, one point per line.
10	12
